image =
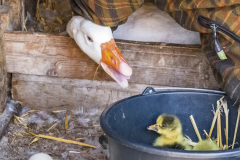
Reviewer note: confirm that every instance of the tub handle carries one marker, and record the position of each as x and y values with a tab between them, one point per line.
151	90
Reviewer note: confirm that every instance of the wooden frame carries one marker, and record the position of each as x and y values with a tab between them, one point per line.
52	71
3	71
153	63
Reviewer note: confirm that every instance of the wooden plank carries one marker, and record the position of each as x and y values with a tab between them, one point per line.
5	16
50	93
16	12
3	72
153	63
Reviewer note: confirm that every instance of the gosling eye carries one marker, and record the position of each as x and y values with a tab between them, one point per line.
89	39
164	126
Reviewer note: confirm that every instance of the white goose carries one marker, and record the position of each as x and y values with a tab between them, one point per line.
98	43
152	24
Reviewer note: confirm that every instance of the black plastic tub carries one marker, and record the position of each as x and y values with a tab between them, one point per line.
125	123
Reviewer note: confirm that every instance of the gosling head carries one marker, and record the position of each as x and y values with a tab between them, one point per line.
98	43
167	125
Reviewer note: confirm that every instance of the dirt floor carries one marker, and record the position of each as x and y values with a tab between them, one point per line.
83	126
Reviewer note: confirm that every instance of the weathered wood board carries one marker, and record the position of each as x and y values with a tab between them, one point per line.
153	63
5	16
52	93
15	13
3	71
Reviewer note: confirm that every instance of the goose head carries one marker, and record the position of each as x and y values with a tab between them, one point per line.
98	43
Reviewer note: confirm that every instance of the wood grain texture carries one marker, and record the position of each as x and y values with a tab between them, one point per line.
15	13
153	63
53	93
3	72
5	16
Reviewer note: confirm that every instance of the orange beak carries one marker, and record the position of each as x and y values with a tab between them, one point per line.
114	64
153	128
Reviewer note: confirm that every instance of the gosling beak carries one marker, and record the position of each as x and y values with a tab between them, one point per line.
153	128
114	64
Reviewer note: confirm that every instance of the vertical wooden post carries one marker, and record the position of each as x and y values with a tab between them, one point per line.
3	70
22	13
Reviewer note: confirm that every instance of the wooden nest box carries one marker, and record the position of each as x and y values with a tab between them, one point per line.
49	71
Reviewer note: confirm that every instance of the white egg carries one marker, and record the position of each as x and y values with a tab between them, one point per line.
40	156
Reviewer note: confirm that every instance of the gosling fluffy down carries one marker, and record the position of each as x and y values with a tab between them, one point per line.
170	129
206	145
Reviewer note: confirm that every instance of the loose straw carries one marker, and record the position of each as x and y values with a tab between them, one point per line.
189	141
205	132
60	139
215	117
52	127
195	128
236	128
96	71
219	129
66	123
225	107
213	122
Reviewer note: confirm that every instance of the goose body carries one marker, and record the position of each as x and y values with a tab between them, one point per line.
150	24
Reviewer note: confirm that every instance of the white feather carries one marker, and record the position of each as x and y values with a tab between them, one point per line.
79	29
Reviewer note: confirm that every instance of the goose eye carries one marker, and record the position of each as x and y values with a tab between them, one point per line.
89	39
